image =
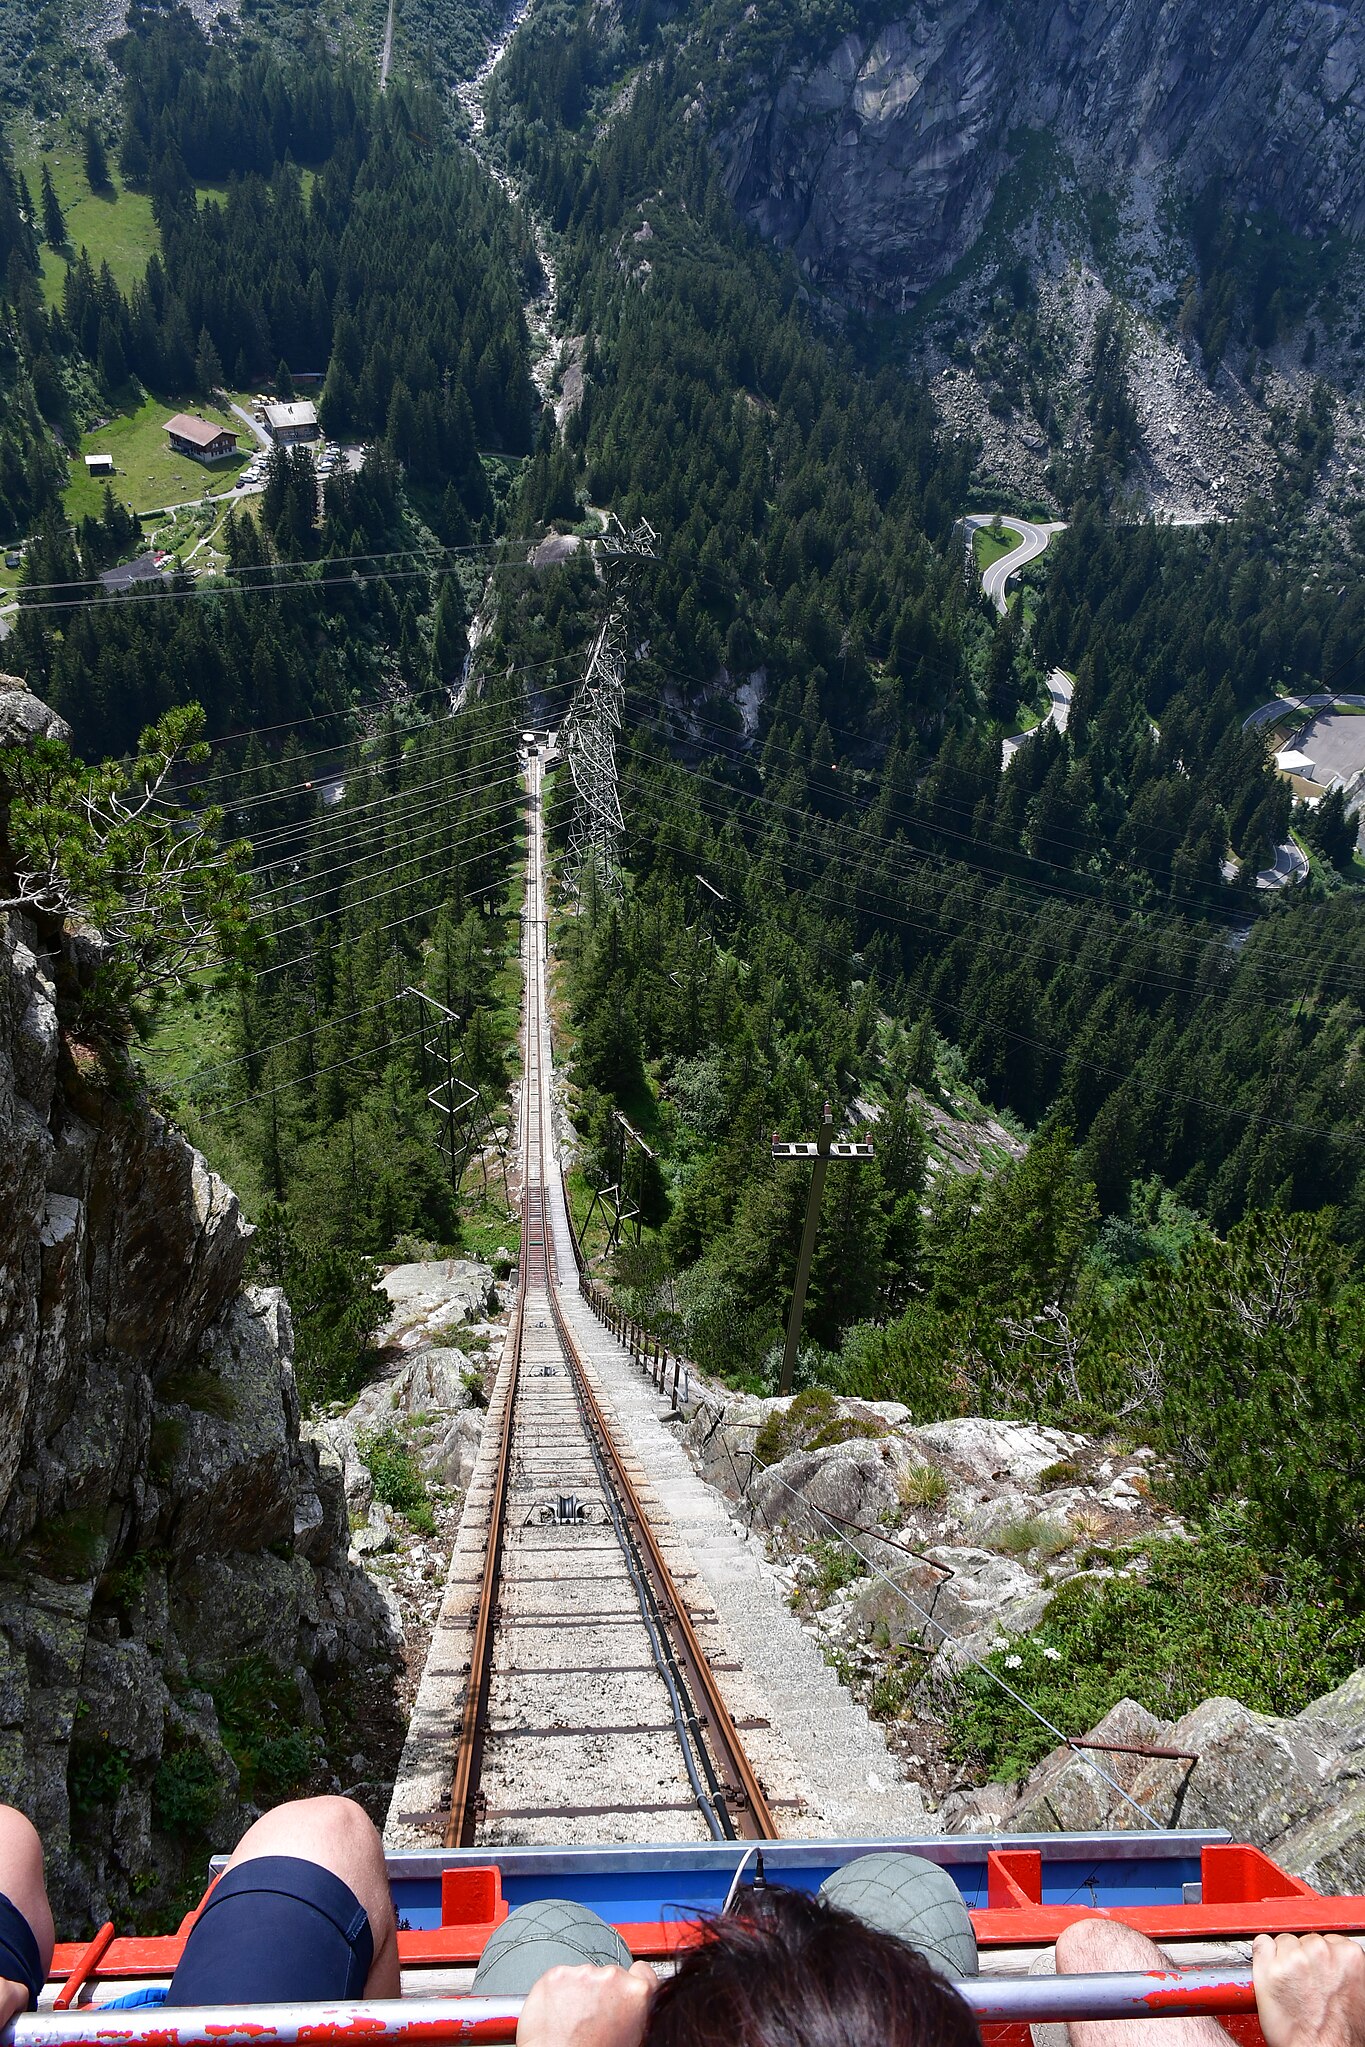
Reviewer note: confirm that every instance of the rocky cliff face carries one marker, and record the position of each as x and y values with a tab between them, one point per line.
876	162
175	1595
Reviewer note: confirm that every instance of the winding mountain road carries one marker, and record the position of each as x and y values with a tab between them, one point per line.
1033	541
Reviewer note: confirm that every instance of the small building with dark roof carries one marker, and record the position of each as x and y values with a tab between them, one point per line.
128	575
200	438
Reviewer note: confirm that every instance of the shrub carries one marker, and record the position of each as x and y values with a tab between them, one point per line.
1029	1537
1207	1618
397	1481
200	1390
95	1775
186	1794
813	1422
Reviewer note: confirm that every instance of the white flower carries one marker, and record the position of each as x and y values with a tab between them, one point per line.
1000	1642
1052	1655
1014	1663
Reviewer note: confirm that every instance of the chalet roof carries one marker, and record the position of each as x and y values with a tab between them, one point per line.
301	413
202	432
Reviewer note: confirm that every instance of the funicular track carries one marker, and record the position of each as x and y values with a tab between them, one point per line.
591	1711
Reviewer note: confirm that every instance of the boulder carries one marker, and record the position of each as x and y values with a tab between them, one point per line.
1257	1775
427	1299
229	1482
991	1451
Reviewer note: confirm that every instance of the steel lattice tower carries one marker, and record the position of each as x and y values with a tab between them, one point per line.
587	738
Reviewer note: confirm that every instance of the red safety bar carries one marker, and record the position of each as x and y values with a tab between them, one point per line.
1003	2005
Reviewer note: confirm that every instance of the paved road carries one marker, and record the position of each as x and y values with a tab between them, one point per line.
248	420
1290	866
1033	541
1059	687
1282	707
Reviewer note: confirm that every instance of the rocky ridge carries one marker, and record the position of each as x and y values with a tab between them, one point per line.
445	1327
176	1590
967	1529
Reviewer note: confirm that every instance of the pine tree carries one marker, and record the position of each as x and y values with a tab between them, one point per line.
208	368
54	226
96	162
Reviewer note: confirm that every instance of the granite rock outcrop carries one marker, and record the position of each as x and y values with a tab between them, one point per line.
877	161
165	1532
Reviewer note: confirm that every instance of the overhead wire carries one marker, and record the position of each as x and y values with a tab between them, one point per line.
1332	1133
1084	901
375	827
896	860
491	820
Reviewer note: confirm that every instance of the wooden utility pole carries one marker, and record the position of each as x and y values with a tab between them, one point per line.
820	1153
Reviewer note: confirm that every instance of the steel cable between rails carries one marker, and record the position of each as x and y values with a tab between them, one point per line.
1335	1133
968	1655
685	1725
715	809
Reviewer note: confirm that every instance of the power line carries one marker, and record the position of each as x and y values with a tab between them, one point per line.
460	790
383	894
1332	1133
350	867
926	857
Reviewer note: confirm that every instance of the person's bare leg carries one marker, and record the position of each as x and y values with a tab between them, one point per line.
21	1880
1098	1947
337	1833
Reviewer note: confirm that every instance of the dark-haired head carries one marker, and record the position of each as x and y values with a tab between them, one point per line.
787	1970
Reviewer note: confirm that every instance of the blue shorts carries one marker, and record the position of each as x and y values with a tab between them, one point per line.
19	1960
276	1930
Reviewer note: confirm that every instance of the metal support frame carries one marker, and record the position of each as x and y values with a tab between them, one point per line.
994	2000
453	1099
820	1153
616	1204
587	738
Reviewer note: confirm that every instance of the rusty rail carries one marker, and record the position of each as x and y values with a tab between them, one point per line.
746	1794
469	1753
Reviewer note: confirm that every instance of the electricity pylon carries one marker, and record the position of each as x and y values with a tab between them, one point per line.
619	1206
452	1098
587	738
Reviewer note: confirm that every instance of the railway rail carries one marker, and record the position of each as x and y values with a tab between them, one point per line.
591	1708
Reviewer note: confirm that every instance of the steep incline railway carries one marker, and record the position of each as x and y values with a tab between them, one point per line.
590	1709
